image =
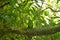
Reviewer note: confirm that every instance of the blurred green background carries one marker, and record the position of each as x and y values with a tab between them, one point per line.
29	14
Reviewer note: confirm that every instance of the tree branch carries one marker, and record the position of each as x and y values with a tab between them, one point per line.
54	10
51	9
33	32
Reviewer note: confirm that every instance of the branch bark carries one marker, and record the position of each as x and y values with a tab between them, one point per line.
33	32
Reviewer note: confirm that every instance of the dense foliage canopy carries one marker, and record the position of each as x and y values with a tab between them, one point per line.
29	19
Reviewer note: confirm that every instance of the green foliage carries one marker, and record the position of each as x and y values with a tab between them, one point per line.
27	14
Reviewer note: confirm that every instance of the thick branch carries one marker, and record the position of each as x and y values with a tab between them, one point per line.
33	32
